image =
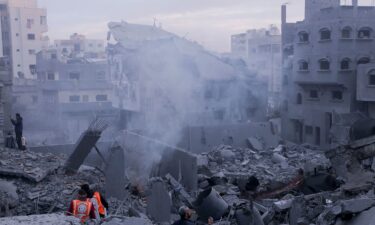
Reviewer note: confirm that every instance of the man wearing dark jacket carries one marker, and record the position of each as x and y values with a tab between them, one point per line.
185	215
18	128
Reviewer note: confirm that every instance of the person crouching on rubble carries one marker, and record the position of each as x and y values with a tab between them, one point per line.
98	200
82	208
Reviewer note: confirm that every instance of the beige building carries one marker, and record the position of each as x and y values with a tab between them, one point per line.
328	70
28	23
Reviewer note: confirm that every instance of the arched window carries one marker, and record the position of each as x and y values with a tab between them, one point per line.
346	33
303	37
324	64
364	33
345	64
325	34
371	77
363	60
299	99
303	65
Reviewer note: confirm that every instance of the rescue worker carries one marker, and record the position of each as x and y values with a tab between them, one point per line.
82	208
185	215
98	200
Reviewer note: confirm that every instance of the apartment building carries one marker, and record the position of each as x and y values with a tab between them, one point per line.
28	23
326	69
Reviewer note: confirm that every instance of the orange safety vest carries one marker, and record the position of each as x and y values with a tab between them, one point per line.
81	209
101	208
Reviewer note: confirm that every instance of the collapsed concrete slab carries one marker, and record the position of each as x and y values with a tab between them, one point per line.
181	165
202	139
83	146
159	202
115	174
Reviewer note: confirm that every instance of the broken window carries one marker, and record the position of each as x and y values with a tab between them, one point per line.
101	75
299	99
364	33
308	130
346	33
74	75
371	75
31	36
303	37
313	94
43	20
345	64
53	56
74	98
325	34
30	23
32	69
219	115
101	98
303	65
50	76
363	60
337	95
324	64
32	51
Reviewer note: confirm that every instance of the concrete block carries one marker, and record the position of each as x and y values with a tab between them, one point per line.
357	205
115	174
159	202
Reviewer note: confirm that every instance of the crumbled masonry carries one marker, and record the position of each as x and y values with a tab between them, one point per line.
290	184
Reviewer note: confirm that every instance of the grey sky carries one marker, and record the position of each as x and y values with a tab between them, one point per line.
209	22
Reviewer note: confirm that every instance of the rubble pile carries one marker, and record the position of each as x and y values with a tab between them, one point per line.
273	168
35	183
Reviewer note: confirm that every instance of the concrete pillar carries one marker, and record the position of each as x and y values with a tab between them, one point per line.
115	179
159	202
283	14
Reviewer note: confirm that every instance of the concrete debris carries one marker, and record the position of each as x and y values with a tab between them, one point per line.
126	221
48	219
286	185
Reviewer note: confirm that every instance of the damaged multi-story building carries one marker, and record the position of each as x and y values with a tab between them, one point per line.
261	49
71	92
158	74
327	73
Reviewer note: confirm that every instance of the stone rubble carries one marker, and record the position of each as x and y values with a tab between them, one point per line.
288	185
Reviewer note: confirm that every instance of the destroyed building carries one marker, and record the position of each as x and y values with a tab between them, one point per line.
204	88
326	69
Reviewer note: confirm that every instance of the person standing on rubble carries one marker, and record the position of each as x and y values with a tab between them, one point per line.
98	200
185	215
18	128
82	208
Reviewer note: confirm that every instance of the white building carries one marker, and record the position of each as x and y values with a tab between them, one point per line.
261	49
28	23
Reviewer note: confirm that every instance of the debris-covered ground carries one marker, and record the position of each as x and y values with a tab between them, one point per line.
290	184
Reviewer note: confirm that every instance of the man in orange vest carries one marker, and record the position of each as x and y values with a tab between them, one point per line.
82	208
98	200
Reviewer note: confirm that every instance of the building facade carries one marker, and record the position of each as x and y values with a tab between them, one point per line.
79	45
322	57
261	49
28	23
